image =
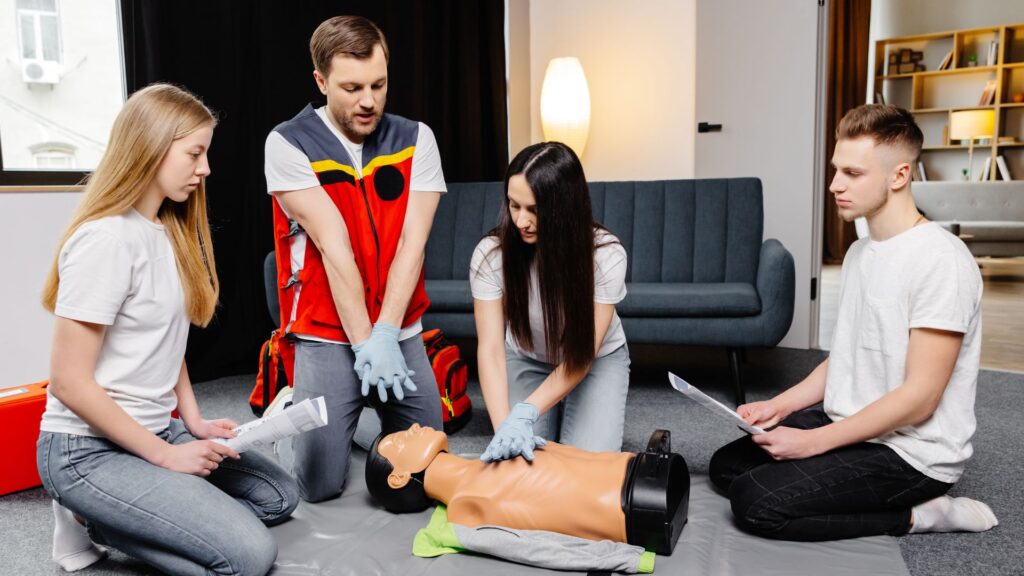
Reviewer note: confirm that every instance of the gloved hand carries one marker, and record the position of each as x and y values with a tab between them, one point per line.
515	435
379	362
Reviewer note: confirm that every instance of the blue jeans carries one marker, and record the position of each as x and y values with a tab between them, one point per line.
179	523
592	416
863	489
321	456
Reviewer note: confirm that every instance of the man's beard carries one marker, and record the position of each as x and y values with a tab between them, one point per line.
850	216
354	127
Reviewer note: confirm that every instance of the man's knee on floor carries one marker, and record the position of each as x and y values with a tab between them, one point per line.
753	508
321	494
319	479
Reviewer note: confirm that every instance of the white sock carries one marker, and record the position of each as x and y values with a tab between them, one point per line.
947	514
72	547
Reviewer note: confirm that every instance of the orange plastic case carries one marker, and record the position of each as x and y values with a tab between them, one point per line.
21	409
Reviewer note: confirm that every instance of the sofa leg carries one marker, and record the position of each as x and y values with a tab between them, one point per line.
734	369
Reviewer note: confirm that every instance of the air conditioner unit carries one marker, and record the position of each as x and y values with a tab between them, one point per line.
40	71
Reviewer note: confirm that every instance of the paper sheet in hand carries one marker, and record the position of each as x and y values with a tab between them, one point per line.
307	415
711	404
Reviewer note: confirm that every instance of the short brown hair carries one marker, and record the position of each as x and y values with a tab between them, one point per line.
885	124
349	35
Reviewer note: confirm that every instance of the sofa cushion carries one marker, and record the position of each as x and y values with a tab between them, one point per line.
678	300
992	231
449	295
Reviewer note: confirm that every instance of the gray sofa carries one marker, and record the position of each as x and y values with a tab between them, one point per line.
699	272
990	214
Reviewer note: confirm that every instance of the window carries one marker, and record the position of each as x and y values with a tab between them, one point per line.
53	156
66	84
39	28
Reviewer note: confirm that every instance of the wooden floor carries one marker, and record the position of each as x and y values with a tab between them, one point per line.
1002	308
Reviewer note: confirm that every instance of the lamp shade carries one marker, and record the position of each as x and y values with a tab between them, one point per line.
971	124
565	104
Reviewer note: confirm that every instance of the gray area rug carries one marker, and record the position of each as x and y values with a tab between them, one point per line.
993	475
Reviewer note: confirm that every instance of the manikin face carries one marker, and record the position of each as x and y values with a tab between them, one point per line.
522	207
356	90
411	451
184	166
865	175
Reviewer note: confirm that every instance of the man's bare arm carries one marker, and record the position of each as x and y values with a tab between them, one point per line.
408	262
931	357
324	225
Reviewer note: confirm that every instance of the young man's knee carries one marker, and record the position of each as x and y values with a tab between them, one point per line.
725	466
752	508
720	470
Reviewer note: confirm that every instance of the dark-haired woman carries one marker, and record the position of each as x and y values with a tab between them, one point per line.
552	355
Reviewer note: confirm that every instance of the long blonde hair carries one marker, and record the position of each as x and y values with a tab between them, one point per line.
142	134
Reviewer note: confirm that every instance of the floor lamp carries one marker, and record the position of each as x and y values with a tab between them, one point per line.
969	125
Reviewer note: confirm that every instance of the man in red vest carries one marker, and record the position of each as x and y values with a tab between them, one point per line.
355	191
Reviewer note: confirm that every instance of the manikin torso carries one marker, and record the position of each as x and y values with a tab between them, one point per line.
564	490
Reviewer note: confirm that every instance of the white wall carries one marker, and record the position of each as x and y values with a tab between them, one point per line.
31	224
639	58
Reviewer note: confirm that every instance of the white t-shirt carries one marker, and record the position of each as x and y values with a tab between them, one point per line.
120	272
922	278
287	168
486	282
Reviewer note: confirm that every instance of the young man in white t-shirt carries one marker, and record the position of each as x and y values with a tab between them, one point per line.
355	193
898	387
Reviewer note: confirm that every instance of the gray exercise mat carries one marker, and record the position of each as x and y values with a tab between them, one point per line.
352	536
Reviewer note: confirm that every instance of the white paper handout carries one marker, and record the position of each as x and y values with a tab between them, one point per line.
307	415
711	404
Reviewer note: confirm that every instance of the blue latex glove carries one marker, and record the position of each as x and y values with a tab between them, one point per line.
515	435
379	362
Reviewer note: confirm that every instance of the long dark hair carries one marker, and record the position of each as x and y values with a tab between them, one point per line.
564	254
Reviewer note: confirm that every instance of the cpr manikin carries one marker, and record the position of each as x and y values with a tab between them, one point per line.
639	499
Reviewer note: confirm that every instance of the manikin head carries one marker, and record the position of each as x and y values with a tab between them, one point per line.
395	465
876	149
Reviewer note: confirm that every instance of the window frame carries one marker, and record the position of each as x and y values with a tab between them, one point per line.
37	31
20	179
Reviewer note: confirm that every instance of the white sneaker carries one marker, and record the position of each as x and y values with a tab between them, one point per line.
282	448
280	402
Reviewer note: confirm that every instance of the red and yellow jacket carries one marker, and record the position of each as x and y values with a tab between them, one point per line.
373	205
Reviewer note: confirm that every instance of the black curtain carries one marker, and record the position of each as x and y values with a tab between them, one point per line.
249	61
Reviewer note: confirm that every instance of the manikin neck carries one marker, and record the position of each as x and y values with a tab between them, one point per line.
444	473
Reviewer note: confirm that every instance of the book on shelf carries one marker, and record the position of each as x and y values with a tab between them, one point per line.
993	53
1004	170
983	175
906	68
946	61
920	171
988	95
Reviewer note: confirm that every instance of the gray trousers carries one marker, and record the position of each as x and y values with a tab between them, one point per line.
321	456
592	416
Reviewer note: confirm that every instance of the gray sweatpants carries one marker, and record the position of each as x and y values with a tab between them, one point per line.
321	456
